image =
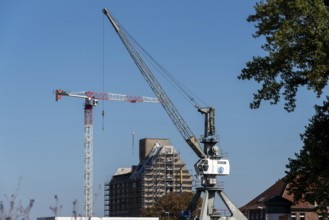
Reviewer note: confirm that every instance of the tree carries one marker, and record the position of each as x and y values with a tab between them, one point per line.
308	174
297	50
16	210
170	206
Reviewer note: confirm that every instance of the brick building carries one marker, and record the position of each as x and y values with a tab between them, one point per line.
258	208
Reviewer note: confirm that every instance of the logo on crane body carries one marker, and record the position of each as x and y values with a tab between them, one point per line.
208	166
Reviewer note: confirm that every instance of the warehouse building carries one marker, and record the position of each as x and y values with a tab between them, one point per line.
159	172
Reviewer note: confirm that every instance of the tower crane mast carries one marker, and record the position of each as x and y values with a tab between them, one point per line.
211	163
91	100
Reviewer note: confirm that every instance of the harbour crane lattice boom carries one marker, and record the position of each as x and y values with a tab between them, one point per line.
167	104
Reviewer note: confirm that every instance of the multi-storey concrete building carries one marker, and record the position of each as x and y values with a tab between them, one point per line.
159	172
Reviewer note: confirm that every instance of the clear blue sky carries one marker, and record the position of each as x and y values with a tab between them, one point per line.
46	45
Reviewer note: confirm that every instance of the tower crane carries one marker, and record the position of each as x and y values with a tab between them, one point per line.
91	100
211	163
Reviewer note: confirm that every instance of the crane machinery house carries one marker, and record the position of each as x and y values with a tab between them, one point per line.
159	172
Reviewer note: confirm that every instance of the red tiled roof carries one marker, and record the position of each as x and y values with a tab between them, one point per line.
296	205
278	188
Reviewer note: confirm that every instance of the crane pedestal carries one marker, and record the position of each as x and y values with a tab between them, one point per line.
207	209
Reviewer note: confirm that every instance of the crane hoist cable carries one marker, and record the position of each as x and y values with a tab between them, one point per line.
103	74
193	99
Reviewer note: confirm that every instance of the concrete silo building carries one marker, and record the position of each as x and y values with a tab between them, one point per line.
159	172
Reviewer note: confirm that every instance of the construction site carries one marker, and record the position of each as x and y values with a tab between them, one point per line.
159	172
164	110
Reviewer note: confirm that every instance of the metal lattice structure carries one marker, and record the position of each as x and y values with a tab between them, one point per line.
91	100
88	157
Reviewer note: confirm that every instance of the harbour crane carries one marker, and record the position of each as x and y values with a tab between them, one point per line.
91	100
211	163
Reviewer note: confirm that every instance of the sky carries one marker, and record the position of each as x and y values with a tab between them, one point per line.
70	45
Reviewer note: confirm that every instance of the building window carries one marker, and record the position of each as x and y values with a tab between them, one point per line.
293	216
302	216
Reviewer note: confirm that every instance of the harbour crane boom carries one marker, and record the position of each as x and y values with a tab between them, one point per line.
167	104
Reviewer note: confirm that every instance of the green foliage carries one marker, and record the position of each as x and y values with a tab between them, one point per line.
297	49
170	206
308	174
296	46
